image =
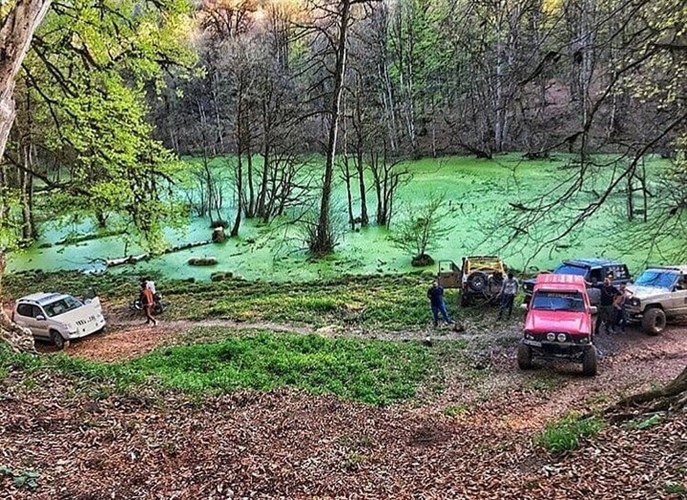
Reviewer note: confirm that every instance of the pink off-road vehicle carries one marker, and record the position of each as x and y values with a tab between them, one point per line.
559	323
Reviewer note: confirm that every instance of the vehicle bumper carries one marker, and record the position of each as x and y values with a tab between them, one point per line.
86	330
564	350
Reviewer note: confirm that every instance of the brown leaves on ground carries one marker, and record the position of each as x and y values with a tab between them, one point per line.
288	444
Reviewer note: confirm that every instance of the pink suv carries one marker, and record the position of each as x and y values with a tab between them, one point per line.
559	323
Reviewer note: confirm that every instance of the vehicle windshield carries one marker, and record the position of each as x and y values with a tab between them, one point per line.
658	278
545	300
568	269
61	306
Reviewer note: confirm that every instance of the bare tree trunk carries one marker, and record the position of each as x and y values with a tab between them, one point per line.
324	241
16	31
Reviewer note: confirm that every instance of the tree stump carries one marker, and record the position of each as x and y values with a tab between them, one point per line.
218	235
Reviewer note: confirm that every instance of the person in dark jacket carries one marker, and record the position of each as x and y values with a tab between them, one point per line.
436	300
605	316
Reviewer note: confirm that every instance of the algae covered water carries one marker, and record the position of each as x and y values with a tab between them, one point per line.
476	193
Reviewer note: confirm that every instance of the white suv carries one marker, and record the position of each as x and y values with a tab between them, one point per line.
58	317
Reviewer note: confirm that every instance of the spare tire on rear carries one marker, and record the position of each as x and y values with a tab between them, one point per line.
477	281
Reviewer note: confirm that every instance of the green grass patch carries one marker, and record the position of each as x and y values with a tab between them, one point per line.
389	302
373	372
565	434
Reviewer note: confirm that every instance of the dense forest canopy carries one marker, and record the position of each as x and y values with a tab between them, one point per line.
112	92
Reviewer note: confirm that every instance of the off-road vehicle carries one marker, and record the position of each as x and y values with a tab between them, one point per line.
592	270
658	294
479	278
58	317
559	323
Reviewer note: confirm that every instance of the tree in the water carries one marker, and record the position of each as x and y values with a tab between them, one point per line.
421	229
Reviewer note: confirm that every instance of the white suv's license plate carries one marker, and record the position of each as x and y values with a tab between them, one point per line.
533	343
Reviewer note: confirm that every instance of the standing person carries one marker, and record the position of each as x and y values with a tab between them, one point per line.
436	300
147	301
605	316
620	307
508	290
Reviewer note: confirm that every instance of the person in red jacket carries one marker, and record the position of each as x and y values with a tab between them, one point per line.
147	301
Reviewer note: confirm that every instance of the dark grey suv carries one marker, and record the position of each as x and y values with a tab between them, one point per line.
592	270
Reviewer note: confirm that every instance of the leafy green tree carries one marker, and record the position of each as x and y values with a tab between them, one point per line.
421	229
88	70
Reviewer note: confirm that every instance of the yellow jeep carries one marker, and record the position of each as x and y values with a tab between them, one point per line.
479	278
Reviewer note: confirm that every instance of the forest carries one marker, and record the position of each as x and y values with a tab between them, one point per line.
289	99
290	174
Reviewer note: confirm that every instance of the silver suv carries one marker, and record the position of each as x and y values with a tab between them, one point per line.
58	317
659	293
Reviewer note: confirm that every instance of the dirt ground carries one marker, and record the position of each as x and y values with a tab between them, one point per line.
474	440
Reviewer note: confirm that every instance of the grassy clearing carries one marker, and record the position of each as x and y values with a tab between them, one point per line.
370	371
389	302
565	434
373	372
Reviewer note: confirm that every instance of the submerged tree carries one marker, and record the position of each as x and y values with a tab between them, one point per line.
421	229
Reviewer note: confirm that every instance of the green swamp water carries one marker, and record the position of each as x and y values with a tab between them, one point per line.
476	191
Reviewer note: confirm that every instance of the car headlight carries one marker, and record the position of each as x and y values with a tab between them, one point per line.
635	302
529	336
71	327
550	336
584	340
561	337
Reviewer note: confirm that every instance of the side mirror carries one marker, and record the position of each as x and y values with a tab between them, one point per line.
40	317
593	310
523	307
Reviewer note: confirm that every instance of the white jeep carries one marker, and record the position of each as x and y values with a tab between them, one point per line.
658	294
58	317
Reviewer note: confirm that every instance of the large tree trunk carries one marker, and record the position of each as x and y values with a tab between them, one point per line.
324	240
16	32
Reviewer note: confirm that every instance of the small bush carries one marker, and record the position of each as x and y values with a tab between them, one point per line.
566	433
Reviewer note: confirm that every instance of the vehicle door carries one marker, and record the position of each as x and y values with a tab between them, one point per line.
449	274
27	315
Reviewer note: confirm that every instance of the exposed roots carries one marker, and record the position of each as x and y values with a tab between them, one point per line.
671	398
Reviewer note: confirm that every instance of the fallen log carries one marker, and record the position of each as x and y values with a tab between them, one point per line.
133	259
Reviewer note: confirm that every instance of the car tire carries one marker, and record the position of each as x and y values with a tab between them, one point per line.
590	362
477	281
524	357
654	321
58	340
